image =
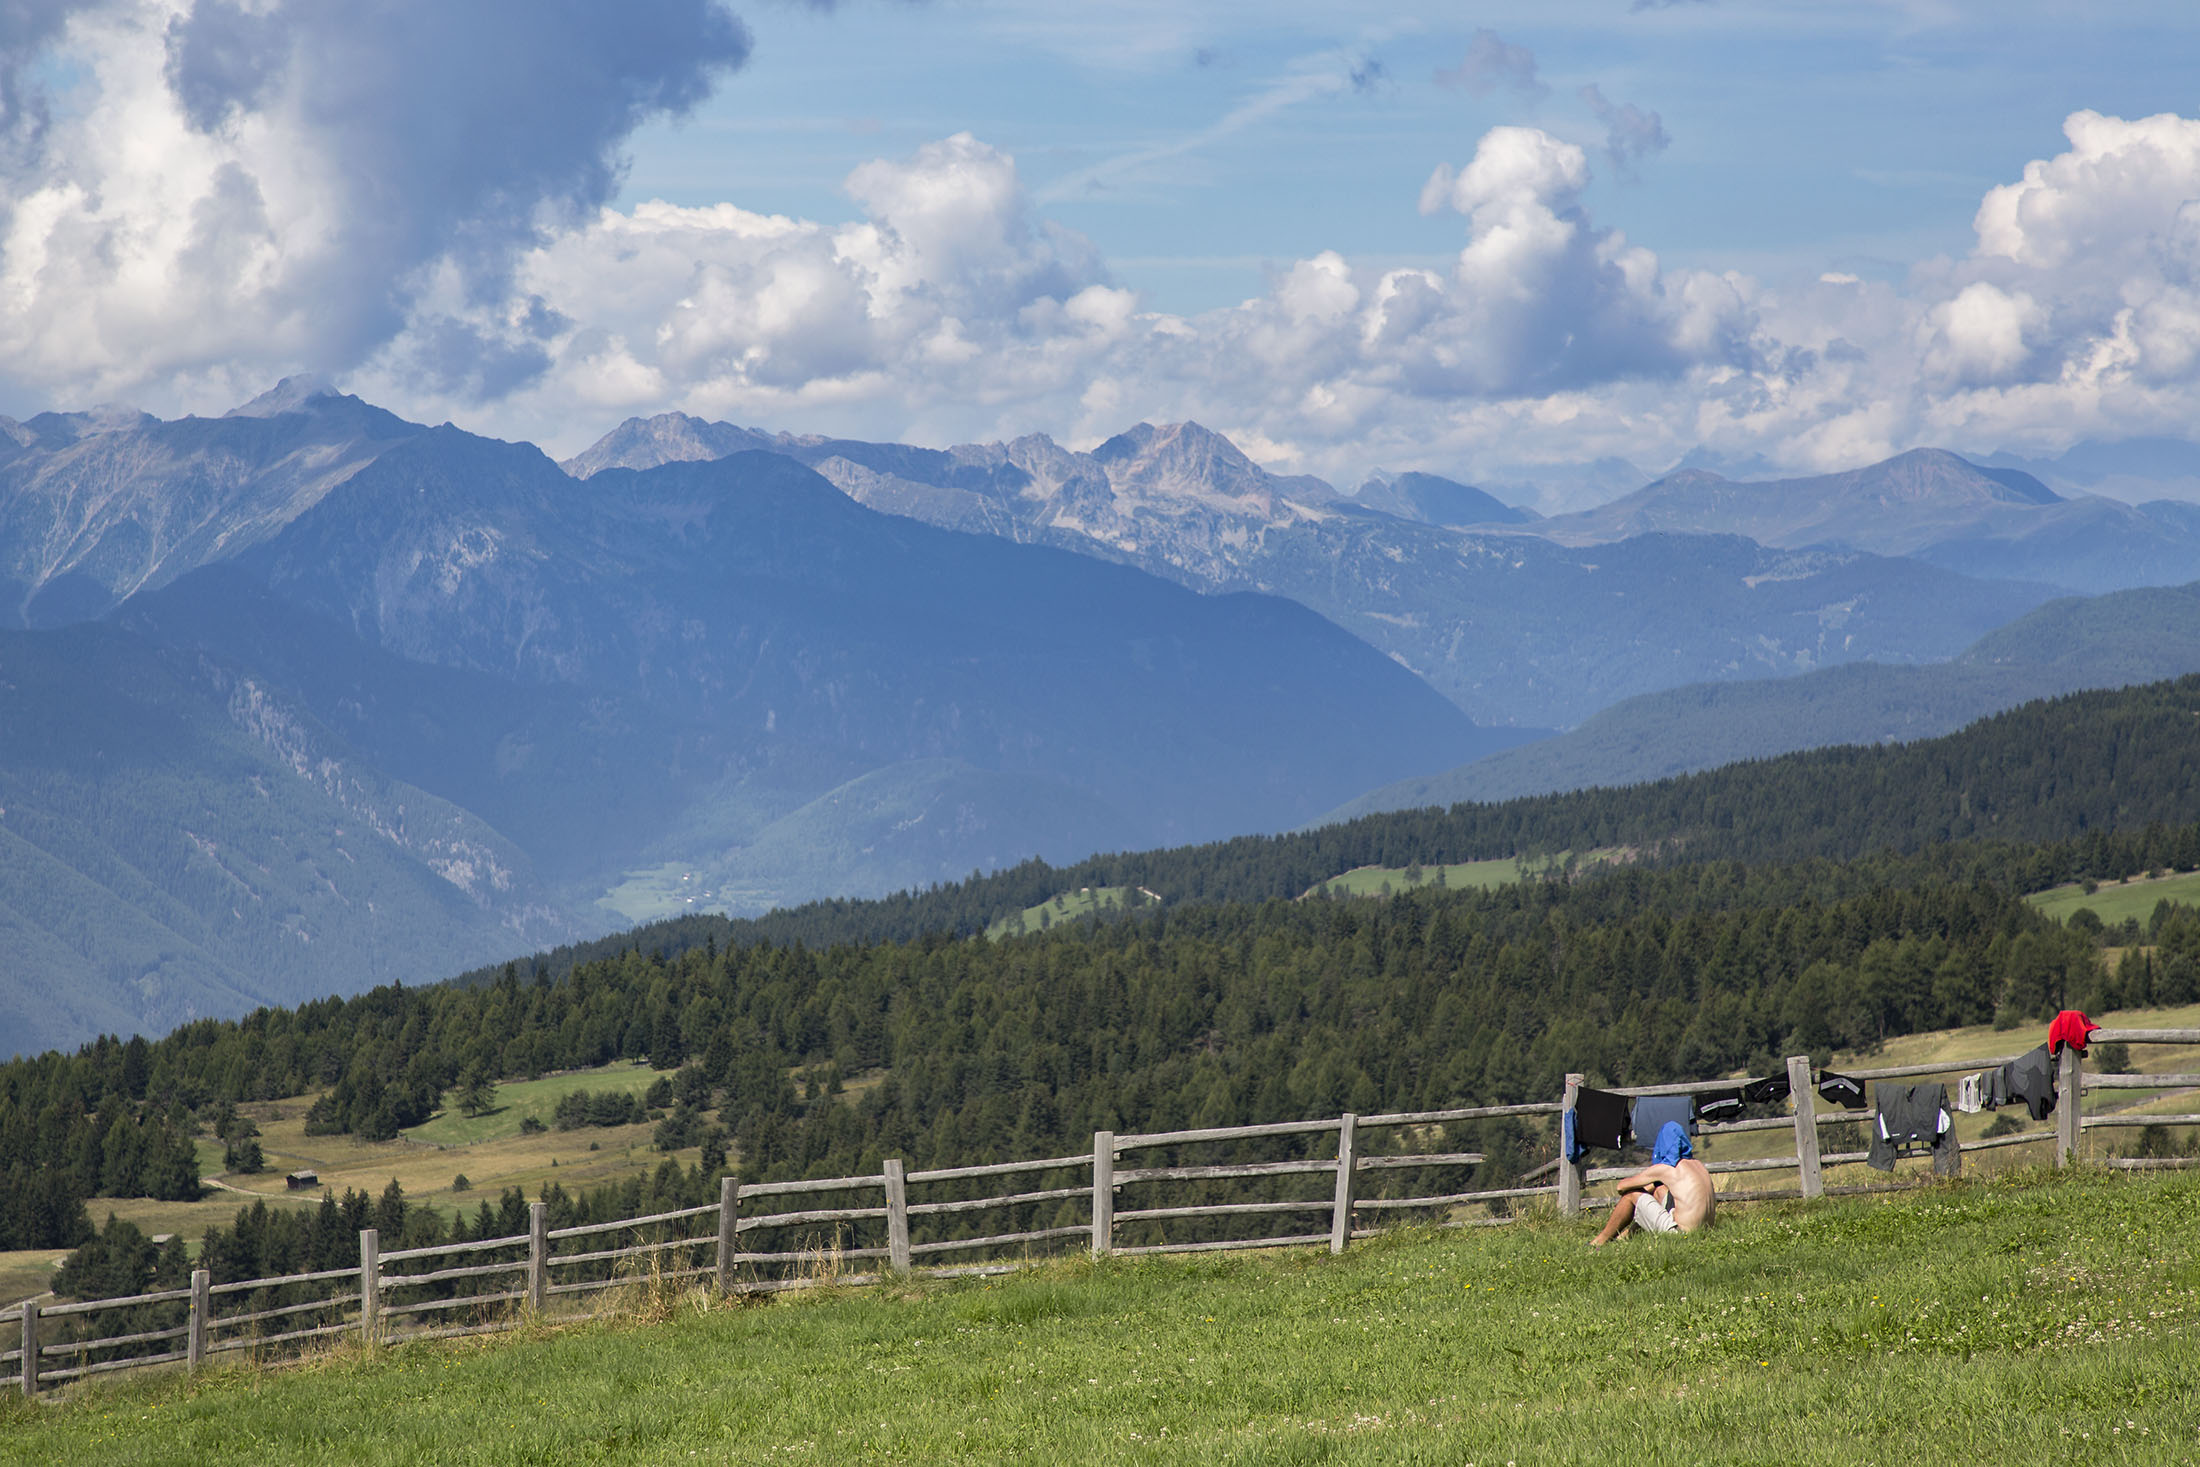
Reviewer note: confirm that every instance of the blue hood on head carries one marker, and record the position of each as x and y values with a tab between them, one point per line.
1672	1144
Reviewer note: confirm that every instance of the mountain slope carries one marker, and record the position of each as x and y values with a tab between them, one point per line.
1928	503
2116	640
176	840
676	668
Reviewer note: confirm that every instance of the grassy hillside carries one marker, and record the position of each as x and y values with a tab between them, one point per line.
2032	1318
1460	876
2113	901
1069	906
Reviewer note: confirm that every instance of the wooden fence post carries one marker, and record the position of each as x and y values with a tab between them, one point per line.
2069	1105
538	1255
897	1216
202	1306
1103	1193
1348	1166
30	1348
370	1285
1569	1172
1806	1124
729	1218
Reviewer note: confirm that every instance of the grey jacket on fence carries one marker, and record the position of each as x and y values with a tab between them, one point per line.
1909	1117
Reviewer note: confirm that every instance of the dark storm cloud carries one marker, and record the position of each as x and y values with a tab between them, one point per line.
451	128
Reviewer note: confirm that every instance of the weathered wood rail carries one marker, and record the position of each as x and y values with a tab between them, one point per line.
1019	1210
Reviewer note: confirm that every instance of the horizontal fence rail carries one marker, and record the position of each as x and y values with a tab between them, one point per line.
762	1238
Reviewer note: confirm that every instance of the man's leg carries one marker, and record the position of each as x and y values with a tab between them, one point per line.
1623	1215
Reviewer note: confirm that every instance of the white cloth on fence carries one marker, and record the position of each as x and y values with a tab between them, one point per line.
1971	1093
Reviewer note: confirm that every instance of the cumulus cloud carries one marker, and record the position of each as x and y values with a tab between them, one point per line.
1493	64
239	186
952	308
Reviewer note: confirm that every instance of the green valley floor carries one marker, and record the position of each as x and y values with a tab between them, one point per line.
2028	1318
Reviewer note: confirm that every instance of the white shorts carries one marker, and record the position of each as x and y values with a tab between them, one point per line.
1652	1216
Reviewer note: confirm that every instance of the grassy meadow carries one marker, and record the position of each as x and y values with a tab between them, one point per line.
1068	906
2113	901
2033	1318
490	1151
1475	875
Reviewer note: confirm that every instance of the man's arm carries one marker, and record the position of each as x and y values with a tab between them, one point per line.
1657	1174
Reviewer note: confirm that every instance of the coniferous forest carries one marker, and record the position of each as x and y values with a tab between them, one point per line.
1748	932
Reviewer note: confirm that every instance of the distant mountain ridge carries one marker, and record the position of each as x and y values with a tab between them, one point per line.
2076	644
1513	627
95	507
1928	504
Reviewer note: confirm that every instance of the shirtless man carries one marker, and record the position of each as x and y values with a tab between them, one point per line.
1664	1197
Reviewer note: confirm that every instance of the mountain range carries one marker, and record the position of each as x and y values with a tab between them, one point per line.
1514	627
459	698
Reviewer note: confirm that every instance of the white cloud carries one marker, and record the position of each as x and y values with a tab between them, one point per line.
952	307
212	191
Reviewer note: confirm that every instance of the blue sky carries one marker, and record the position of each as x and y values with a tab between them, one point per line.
1503	242
1803	136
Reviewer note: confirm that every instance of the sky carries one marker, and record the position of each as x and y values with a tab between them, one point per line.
1555	247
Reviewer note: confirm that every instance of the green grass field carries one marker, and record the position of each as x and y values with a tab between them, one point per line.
519	1099
1477	875
2033	1319
2116	900
1068	906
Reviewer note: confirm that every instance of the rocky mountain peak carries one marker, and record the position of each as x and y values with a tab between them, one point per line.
644	443
290	395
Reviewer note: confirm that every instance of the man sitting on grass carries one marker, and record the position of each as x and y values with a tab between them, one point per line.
1671	1195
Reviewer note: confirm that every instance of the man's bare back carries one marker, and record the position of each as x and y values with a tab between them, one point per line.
1688	1201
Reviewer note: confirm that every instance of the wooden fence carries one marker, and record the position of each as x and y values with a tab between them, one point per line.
867	1229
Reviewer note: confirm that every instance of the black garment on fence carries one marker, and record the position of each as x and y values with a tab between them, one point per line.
1719	1105
2031	1079
1841	1090
1600	1119
1914	1118
1767	1090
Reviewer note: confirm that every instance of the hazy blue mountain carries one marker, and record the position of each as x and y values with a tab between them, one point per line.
97	506
1513	628
2115	640
1994	522
1435	500
179	839
668	665
2137	470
